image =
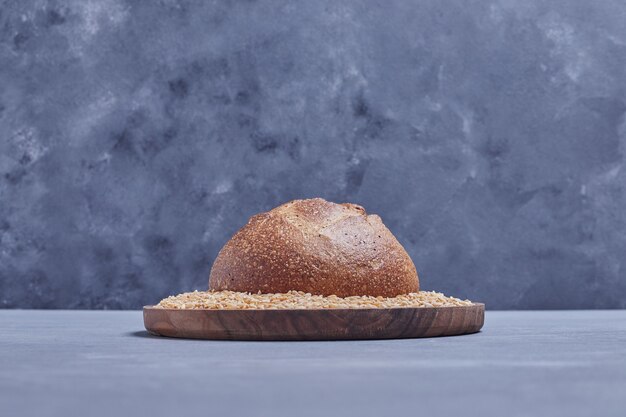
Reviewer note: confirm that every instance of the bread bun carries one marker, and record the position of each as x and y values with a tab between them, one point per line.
317	247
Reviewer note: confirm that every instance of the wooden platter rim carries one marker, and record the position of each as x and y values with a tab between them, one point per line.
314	324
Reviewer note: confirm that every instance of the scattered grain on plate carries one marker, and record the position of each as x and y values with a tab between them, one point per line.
293	300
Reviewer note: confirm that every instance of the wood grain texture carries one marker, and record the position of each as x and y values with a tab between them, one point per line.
322	324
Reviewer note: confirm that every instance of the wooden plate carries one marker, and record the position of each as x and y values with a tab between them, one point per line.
322	324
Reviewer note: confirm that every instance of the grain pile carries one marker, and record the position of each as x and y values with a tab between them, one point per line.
292	300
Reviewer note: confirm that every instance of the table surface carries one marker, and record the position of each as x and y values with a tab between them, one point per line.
102	363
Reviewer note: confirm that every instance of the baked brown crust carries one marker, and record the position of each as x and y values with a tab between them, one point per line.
317	247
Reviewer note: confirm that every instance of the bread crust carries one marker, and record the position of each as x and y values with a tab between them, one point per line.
317	247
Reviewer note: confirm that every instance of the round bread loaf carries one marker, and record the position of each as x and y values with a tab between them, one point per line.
317	247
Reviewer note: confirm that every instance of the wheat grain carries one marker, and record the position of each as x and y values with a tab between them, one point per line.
294	300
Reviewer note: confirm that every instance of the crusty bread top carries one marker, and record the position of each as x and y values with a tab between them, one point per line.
317	247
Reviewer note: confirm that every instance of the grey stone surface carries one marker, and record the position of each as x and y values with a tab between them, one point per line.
136	137
75	363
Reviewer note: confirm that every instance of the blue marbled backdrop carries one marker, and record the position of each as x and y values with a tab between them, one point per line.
137	136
